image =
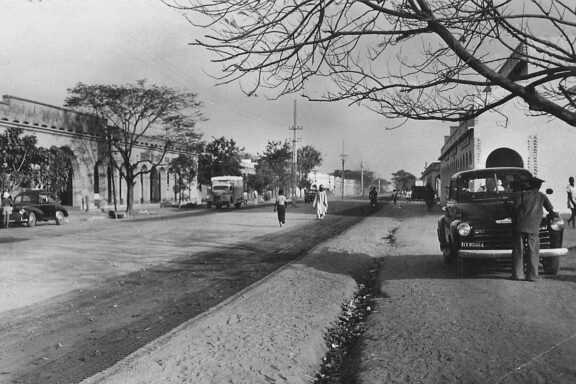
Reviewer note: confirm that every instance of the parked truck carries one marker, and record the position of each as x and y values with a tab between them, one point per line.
226	191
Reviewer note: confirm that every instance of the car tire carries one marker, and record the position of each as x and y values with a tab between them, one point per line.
450	253
31	219
461	267
551	265
59	217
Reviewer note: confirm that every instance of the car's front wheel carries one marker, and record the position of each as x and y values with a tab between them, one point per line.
551	265
31	219
450	253
59	217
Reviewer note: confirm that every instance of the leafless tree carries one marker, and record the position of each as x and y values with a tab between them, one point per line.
415	59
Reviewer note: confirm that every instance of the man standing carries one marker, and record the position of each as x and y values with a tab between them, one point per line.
528	217
6	209
571	191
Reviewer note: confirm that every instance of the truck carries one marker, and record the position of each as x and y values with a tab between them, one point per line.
478	220
226	191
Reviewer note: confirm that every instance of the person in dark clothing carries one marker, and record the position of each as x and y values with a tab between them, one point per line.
528	209
429	196
280	207
373	195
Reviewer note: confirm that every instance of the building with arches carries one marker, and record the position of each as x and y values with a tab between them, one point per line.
513	136
92	179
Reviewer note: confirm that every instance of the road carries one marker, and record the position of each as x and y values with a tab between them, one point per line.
136	282
79	297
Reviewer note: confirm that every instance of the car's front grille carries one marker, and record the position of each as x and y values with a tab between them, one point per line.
500	238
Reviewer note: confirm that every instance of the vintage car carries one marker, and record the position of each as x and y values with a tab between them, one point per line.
477	221
31	206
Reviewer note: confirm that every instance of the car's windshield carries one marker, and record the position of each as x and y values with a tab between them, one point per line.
487	185
220	188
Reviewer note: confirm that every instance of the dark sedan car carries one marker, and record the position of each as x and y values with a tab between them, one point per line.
32	206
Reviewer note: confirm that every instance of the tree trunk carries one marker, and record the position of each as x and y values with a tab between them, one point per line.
129	193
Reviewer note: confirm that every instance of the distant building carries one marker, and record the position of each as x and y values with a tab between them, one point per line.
431	176
509	137
248	167
81	135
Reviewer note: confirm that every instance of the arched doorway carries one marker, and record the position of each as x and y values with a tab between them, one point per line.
143	171
67	193
504	157
154	185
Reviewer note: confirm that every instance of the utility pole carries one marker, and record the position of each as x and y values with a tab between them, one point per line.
294	128
361	178
343	156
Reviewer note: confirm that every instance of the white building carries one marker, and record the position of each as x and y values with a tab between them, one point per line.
80	134
510	137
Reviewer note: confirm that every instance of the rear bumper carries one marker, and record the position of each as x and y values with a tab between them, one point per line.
506	253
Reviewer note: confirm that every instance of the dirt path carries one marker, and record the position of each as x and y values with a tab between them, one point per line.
431	327
161	275
426	326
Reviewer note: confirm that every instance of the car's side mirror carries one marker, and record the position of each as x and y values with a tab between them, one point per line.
549	191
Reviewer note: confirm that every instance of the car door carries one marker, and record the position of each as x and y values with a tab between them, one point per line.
46	205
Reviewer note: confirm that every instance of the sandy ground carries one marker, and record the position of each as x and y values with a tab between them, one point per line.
271	332
426	326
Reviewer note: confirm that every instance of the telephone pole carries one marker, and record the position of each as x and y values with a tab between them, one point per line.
361	178
294	177
343	156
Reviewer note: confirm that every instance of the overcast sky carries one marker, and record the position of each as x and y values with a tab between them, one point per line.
48	46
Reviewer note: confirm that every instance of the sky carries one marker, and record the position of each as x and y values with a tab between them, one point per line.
47	46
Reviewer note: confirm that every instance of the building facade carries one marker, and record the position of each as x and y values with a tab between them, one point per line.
513	136
92	180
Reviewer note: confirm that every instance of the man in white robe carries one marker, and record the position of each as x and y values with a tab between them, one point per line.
321	203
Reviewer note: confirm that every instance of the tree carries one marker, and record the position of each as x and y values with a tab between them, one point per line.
132	112
24	164
416	59
403	180
54	168
220	157
275	162
19	156
184	167
308	158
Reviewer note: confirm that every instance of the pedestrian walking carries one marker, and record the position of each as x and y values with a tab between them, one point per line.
6	209
245	197
528	214
255	196
429	196
321	203
394	196
571	192
280	207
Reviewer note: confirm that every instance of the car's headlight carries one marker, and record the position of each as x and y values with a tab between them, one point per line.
22	212
464	229
557	224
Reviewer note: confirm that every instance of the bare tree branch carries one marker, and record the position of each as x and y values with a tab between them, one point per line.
416	59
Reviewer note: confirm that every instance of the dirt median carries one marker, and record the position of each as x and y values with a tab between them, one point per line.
271	332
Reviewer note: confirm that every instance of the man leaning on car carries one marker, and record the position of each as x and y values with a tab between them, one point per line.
528	208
